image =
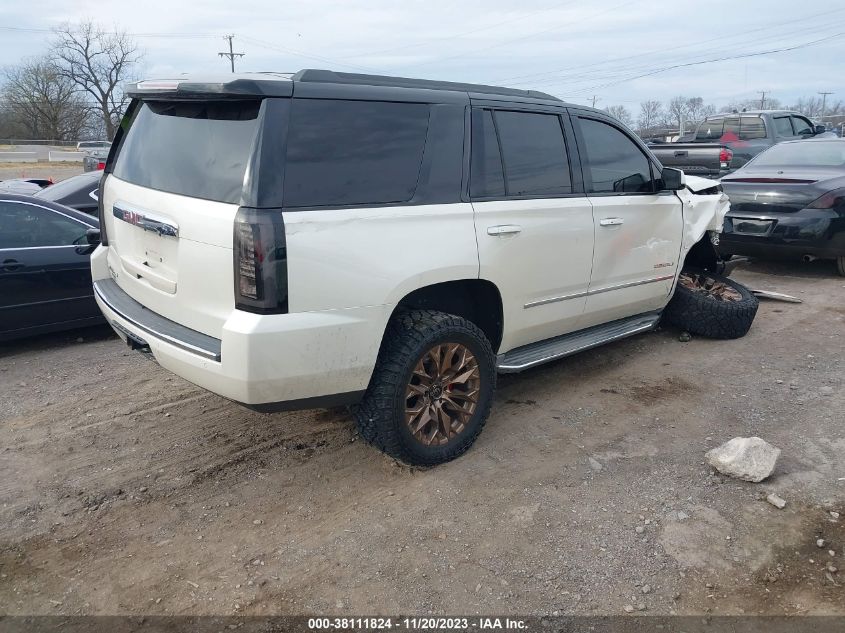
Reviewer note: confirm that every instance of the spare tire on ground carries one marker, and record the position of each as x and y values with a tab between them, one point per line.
711	305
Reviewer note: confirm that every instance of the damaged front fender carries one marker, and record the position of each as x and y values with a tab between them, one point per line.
705	207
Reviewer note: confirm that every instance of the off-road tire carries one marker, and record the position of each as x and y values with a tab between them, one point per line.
381	414
702	314
840	265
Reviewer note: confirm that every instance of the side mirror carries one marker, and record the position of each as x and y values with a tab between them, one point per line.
672	179
93	236
820	129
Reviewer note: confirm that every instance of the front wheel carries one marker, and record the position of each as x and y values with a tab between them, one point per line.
431	390
711	305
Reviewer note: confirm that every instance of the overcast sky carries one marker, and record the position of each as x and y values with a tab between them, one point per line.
572	48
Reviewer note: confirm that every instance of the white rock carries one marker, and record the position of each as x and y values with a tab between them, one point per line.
776	501
820	543
747	458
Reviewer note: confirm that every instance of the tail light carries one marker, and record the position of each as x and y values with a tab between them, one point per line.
830	200
260	260
725	157
101	165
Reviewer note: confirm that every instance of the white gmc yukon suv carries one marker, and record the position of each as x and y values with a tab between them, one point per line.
318	239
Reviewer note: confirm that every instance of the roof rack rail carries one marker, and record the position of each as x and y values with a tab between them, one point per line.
329	76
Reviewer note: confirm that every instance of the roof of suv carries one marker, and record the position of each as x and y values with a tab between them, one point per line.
284	84
752	113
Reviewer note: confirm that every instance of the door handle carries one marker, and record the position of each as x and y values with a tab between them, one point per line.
504	229
11	265
611	221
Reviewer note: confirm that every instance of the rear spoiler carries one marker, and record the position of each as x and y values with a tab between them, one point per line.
239	87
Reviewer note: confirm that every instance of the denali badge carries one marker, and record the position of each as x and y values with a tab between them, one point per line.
146	221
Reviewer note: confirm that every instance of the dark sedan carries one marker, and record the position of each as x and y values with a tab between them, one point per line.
77	192
45	271
789	201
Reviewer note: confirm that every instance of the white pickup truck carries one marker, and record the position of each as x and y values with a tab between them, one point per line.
327	238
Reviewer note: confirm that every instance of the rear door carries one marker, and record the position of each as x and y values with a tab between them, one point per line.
533	223
638	229
170	204
45	276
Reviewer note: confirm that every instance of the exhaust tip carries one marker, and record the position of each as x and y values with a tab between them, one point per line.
809	258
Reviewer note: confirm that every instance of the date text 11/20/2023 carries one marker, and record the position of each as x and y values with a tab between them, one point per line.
414	624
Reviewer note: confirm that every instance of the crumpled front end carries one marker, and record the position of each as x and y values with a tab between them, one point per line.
705	208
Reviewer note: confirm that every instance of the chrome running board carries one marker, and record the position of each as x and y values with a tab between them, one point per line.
541	352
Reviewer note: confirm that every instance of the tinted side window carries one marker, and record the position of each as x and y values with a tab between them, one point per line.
28	226
802	126
710	130
614	161
534	154
782	126
752	127
486	176
353	152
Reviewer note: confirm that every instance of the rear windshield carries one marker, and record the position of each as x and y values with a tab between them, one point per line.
62	190
710	130
804	154
197	149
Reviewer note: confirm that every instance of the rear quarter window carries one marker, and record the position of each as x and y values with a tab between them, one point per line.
353	152
197	149
751	127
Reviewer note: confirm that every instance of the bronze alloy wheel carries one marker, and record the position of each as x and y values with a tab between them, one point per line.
701	283
442	394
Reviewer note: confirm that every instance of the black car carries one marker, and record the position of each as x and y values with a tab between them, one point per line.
77	192
45	272
789	201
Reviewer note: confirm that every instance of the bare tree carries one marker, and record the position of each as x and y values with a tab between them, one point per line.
650	114
620	113
676	112
42	102
695	106
708	110
97	62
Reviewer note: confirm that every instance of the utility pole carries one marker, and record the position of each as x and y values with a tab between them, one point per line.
824	103
231	54
762	99
594	100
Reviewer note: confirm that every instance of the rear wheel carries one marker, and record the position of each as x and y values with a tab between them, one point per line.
711	305
840	265
431	390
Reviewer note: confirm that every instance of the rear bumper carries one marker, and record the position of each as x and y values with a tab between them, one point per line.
268	362
816	232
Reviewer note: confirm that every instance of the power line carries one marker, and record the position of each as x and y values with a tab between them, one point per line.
517	39
662	51
231	54
717	59
289	51
465	33
621	70
156	35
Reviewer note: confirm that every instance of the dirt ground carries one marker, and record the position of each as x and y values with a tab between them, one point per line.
57	171
126	490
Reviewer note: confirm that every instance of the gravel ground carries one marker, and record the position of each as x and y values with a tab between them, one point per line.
126	490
